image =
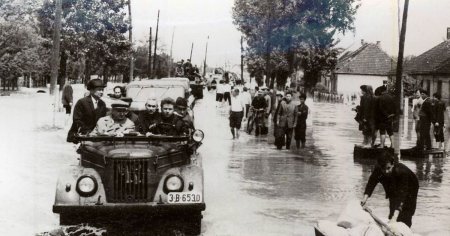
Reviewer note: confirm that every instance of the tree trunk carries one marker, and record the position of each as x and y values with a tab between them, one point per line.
87	71
311	78
62	70
56	45
105	74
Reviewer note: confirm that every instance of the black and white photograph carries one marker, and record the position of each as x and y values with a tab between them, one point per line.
225	117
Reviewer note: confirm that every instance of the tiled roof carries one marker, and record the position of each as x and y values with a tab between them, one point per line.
369	59
433	61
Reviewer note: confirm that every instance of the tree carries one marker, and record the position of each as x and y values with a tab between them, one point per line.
162	61
22	50
300	36
92	34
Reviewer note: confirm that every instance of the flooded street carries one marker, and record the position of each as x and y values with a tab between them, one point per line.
250	187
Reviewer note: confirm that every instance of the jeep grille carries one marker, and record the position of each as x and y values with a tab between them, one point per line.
130	180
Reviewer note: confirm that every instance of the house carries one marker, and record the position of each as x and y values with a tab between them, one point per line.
431	70
368	65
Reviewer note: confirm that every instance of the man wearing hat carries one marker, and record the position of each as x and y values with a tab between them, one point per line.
183	112
88	110
115	124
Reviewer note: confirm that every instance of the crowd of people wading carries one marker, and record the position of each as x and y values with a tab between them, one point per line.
377	113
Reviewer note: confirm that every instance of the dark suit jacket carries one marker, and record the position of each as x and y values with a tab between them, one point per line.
401	187
439	111
427	111
85	117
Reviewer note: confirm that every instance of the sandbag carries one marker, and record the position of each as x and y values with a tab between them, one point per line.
366	230
330	228
401	229
353	215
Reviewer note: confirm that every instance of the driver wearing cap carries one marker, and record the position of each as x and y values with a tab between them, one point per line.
116	124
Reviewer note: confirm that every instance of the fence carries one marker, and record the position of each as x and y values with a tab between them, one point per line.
328	97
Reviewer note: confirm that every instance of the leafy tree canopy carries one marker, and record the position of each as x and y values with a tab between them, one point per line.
93	31
285	35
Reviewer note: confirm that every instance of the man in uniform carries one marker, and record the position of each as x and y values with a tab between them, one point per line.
149	117
116	124
88	110
400	184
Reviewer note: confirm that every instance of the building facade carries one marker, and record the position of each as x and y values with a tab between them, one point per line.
368	65
431	70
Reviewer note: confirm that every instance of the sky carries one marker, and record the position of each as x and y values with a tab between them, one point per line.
194	20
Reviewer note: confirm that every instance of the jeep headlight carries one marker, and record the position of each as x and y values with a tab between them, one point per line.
198	135
87	186
173	183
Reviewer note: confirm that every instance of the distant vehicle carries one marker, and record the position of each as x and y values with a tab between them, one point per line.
146	177
141	91
213	78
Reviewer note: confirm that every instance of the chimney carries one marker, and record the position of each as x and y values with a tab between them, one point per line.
448	33
378	43
362	42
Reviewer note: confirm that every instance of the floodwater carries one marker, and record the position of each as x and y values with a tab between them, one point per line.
250	187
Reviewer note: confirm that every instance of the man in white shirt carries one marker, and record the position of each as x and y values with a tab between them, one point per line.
237	112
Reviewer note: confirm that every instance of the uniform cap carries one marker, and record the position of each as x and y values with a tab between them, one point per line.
120	105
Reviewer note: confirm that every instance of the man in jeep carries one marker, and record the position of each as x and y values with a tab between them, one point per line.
183	112
116	124
88	110
169	124
149	116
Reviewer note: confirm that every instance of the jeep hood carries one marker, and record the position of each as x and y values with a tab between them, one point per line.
133	150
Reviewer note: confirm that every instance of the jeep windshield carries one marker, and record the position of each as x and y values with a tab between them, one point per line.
141	94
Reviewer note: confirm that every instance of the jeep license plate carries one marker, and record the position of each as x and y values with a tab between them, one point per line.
184	198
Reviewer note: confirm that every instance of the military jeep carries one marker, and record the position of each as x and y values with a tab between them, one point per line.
134	176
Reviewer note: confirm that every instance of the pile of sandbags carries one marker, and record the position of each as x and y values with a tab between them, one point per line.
354	221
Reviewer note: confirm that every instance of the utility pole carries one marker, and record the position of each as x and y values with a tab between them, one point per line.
204	62
156	43
130	31
268	38
190	57
170	62
398	77
242	59
56	47
149	71
55	56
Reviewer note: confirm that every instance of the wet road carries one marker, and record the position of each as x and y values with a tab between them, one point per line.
250	187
